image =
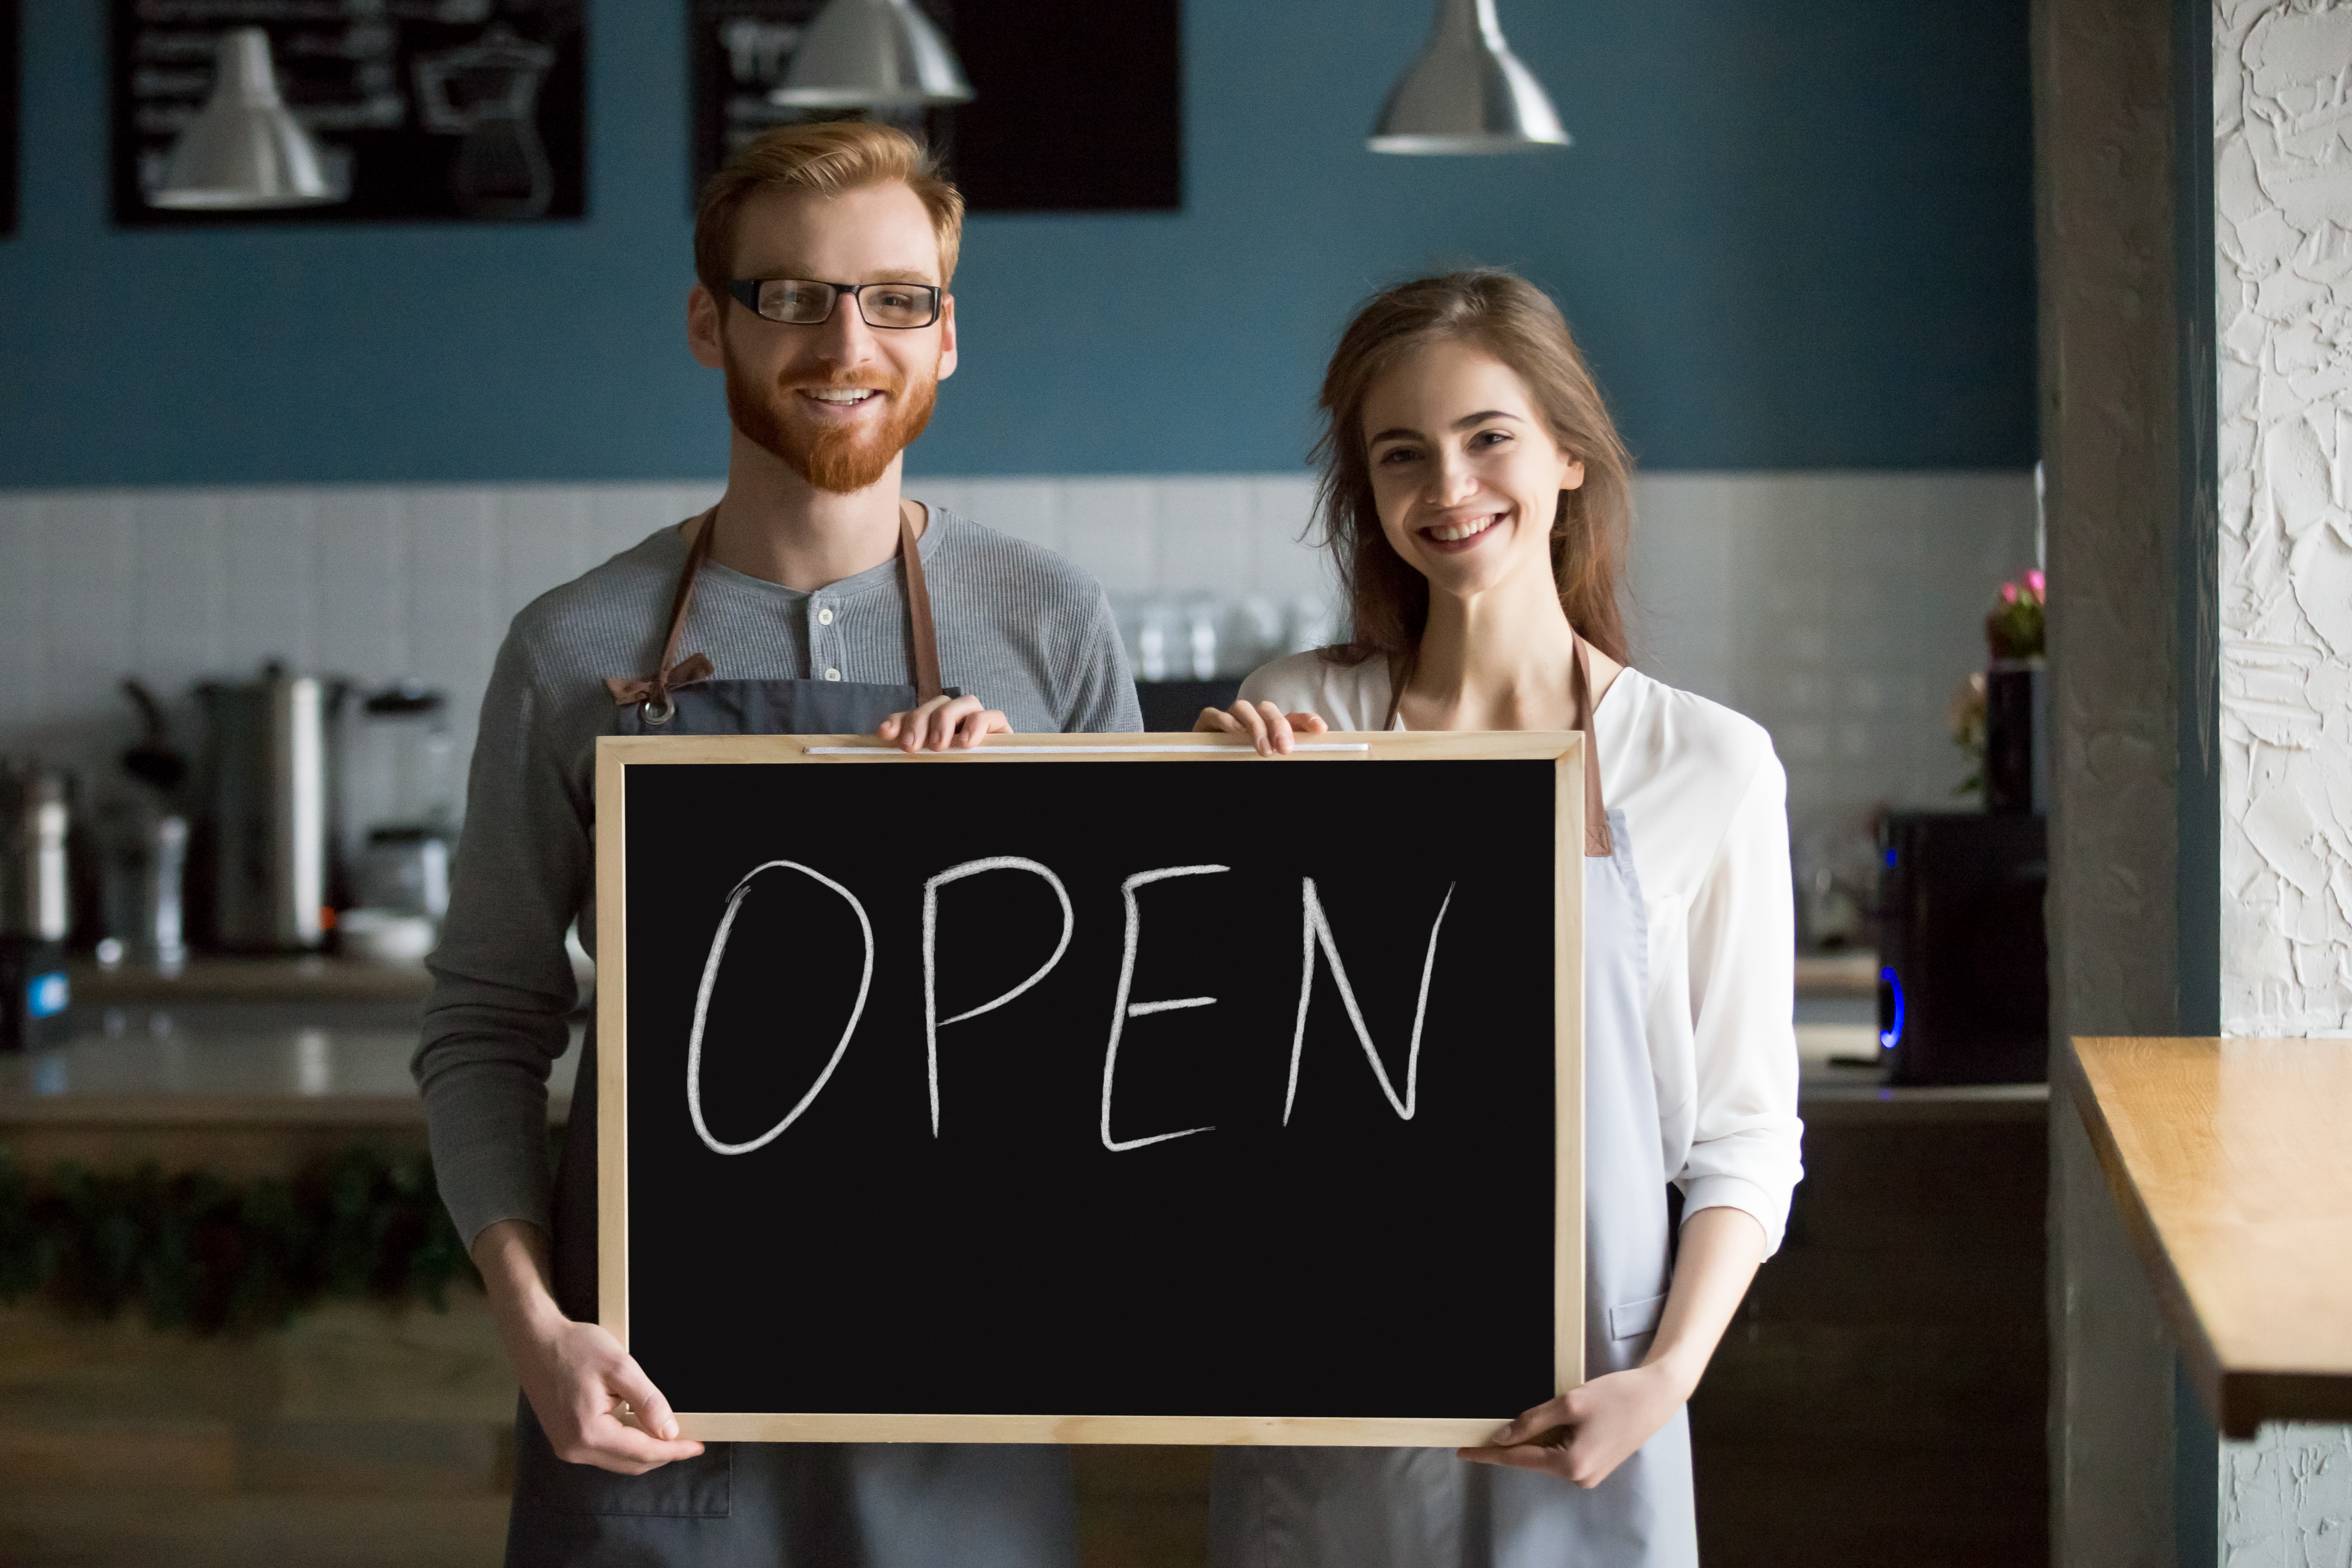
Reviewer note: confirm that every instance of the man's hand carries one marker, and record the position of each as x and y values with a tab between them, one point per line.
1263	725
944	722
592	1400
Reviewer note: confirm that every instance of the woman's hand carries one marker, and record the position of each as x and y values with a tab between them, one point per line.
594	1402
944	722
1263	725
1587	1432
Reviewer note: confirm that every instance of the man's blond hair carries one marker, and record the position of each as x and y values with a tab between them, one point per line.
830	157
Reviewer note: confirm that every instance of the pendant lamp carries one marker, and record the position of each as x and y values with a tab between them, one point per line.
1465	92
872	53
243	150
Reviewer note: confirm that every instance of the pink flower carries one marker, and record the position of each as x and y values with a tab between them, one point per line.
2038	582
2009	593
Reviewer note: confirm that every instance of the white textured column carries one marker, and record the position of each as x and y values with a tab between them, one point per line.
2283	275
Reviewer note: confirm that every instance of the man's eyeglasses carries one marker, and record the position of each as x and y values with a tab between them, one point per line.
803	302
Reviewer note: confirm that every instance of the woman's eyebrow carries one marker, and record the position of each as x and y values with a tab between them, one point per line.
1394	433
1480	417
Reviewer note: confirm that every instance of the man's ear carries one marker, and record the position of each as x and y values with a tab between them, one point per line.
946	336
704	324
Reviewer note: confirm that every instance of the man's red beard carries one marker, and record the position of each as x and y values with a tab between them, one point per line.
839	458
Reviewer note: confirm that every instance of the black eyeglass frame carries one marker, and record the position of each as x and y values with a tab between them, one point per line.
746	291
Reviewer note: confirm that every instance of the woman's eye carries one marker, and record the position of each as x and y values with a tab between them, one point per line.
1490	438
1396	455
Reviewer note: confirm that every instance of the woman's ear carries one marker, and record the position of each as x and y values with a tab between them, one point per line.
1571	476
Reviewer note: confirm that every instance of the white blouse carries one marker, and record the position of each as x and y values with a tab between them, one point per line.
1704	802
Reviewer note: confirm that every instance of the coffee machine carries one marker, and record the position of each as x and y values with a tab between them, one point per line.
1963	981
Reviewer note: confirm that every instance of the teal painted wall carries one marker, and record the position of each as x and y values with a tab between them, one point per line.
1793	234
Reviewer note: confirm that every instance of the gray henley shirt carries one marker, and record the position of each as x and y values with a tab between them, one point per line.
1019	627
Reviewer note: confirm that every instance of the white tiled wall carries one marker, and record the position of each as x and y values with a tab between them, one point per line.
1838	609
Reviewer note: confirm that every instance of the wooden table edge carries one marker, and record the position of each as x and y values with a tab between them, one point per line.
2237	1402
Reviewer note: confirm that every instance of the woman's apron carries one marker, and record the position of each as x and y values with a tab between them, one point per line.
773	1505
1423	1507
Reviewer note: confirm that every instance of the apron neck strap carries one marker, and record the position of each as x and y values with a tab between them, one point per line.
653	695
922	632
1599	842
683	599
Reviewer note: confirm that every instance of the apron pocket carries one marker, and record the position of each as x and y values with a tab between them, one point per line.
1635	1318
700	1488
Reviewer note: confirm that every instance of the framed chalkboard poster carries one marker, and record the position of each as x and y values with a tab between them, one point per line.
451	110
1093	1089
1080	105
10	96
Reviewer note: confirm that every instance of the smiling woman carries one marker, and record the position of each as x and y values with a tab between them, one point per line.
1494	350
1474	493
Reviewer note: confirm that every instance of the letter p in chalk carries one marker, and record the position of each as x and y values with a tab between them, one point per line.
932	1022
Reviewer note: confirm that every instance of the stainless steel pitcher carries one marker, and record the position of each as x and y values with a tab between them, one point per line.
260	859
35	899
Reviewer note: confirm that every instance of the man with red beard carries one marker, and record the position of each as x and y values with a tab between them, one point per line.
814	598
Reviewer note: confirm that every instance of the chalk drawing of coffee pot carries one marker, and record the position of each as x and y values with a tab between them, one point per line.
487	92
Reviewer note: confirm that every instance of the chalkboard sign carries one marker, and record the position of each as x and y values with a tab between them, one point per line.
463	110
11	93
1080	105
1093	1089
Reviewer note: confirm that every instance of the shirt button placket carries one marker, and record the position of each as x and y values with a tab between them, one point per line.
824	661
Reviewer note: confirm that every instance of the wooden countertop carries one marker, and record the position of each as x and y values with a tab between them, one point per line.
2230	1162
312	978
203	1067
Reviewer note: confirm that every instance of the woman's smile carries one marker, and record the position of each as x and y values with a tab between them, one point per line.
1454	534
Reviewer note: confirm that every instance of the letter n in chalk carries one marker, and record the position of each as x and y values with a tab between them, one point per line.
1316	928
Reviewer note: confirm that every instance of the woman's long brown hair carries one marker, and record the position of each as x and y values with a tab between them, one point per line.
1511	319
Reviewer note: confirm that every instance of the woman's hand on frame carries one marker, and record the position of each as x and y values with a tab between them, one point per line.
942	723
1262	724
1587	1432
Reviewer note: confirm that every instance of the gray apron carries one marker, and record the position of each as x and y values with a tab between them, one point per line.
771	1505
1423	1507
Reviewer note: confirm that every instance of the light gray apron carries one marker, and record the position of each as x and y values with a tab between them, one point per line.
1423	1507
771	1505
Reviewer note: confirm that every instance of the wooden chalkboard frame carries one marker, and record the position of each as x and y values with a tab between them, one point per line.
615	755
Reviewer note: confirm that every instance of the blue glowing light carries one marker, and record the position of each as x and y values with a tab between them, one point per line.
1891	1037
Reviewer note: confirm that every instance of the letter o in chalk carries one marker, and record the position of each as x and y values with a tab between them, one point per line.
711	978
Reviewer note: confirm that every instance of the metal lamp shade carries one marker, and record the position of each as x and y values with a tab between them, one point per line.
1466	93
872	53
244	150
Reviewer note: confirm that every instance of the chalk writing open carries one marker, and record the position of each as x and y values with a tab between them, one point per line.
1315	928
